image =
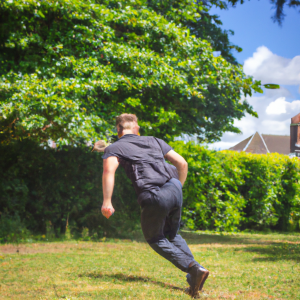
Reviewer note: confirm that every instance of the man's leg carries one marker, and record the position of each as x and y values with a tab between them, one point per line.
172	223
155	210
197	275
180	243
171	232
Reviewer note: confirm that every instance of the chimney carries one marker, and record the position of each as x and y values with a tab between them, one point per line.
295	135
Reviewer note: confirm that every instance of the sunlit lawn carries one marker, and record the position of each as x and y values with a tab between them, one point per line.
245	266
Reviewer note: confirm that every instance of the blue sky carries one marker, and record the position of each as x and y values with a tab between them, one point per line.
271	54
253	27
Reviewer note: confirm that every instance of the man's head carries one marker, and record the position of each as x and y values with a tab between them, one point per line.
127	123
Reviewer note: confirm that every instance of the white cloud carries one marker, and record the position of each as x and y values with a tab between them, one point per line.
277	107
274	111
252	64
293	106
271	68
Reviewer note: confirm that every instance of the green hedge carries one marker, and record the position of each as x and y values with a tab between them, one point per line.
227	190
44	189
47	187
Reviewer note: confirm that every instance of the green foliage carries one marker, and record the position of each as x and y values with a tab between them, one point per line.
204	27
47	187
271	86
229	191
69	67
12	229
52	191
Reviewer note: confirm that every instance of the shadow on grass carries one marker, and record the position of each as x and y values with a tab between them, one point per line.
130	278
266	249
276	252
195	238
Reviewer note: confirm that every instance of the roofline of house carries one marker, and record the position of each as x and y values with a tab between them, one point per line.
275	134
249	142
264	142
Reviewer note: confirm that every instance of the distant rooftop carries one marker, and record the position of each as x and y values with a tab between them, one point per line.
264	143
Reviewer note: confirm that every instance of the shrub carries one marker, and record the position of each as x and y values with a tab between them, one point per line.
46	187
224	191
228	190
12	229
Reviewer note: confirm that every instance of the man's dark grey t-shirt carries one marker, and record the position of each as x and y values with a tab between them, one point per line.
143	160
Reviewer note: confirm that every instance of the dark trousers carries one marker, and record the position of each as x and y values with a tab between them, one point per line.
160	220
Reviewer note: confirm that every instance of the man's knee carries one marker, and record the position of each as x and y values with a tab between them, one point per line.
155	240
176	238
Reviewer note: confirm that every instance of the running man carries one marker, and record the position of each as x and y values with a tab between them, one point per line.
159	190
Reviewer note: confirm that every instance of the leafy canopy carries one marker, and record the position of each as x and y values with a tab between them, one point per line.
68	67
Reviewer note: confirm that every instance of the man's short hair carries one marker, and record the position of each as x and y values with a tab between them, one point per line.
124	121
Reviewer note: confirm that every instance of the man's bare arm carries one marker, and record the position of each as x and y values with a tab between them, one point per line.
180	163
110	166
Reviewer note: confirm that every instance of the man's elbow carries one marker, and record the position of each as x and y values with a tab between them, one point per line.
183	165
186	165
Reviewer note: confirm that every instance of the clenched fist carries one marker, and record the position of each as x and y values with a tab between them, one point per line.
107	211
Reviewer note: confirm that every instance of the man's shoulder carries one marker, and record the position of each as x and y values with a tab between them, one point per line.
152	140
146	140
118	144
112	147
135	138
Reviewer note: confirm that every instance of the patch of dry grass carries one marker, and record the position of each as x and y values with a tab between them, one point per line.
244	266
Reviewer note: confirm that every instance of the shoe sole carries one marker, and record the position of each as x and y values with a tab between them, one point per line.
188	292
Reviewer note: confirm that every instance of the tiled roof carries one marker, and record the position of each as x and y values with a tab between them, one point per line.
277	143
240	146
264	143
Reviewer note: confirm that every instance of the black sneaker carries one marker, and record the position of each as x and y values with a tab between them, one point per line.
196	278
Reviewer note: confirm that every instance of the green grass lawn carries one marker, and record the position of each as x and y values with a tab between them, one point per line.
243	266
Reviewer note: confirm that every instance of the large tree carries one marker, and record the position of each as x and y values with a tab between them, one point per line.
68	67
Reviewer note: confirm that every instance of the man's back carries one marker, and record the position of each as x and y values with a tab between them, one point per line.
143	160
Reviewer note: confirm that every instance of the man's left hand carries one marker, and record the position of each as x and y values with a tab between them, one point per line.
107	211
